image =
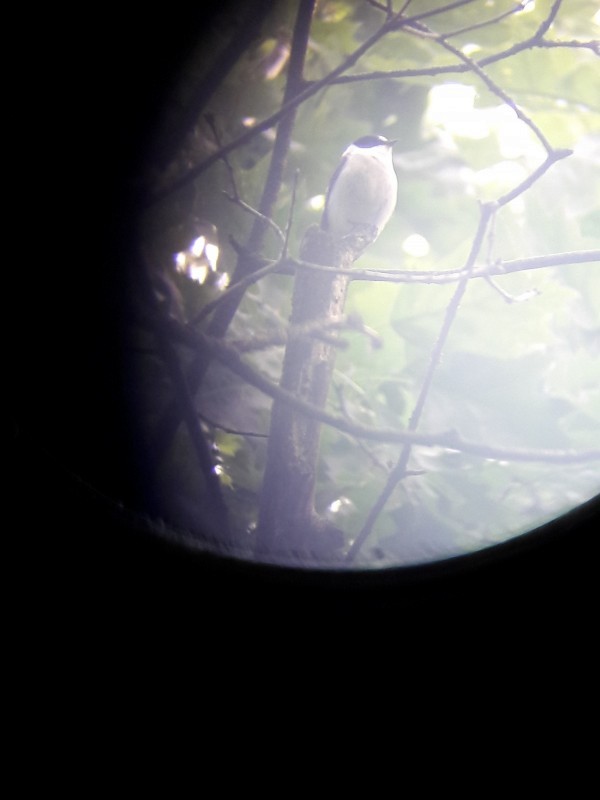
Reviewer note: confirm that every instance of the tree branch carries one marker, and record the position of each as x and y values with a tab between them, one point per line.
230	358
536	40
292	101
552	158
495	89
593	45
430	277
450	275
336	77
235	196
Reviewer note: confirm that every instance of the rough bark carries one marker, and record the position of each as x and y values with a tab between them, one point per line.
289	527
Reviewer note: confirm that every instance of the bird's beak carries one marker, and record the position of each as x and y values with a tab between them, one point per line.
391	142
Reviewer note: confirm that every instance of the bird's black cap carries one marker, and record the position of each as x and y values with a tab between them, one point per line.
373	141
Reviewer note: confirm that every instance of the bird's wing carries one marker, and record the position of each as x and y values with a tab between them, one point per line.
334	177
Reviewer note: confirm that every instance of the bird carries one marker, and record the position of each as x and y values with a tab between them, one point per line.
363	190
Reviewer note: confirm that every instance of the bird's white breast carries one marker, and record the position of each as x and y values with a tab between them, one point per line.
364	191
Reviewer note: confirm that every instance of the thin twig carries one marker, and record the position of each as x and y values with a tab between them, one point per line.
237	200
399	471
235	197
536	40
452	275
434	12
403	276
593	45
511	298
487	212
232	431
379	6
552	158
541	262
288	227
484	23
495	89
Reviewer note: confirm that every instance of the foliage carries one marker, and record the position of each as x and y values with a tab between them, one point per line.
520	367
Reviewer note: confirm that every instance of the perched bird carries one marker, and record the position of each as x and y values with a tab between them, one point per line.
363	190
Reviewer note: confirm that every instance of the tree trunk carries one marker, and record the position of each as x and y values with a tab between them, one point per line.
289	528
